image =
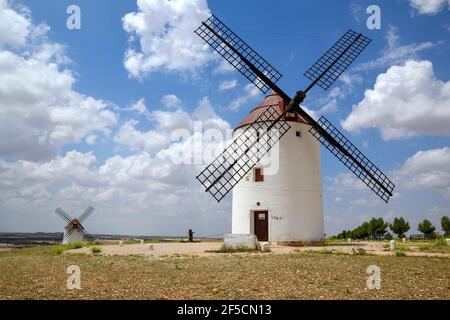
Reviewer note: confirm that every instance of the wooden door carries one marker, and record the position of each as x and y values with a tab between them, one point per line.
261	220
259	177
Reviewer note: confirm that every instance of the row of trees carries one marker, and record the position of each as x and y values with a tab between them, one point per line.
376	228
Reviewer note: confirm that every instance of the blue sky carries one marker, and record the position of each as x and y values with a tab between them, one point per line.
291	36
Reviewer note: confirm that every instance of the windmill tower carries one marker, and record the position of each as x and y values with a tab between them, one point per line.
266	201
74	230
286	206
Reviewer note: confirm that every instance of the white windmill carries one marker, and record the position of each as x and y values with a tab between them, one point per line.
74	230
285	207
289	195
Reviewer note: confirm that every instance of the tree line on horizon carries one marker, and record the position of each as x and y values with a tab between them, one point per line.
377	229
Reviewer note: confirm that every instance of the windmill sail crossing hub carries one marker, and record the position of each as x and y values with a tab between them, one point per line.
241	155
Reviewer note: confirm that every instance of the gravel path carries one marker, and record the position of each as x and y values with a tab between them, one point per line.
160	250
157	249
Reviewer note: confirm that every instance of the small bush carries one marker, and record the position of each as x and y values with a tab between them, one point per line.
75	245
58	251
359	251
438	245
441	242
321	251
400	253
233	250
96	249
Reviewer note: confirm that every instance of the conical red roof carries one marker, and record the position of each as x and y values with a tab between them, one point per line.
271	100
74	224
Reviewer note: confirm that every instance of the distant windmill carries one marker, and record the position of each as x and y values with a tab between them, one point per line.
74	230
288	206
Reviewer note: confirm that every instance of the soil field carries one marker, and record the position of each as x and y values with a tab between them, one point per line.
40	273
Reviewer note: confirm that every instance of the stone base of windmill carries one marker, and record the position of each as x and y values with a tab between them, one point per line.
241	241
250	241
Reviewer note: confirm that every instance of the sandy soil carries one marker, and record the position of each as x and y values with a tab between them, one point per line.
201	249
157	249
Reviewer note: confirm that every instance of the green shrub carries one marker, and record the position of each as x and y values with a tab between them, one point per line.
233	250
96	249
58	251
323	251
441	242
400	253
320	251
74	245
359	251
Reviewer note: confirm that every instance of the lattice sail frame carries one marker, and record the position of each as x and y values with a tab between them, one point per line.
347	48
86	236
227	43
378	183
60	212
65	216
85	214
240	156
220	176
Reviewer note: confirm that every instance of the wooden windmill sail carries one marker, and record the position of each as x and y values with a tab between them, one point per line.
287	207
243	153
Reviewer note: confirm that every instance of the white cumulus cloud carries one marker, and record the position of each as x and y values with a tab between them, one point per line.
171	101
14	26
227	85
395	52
250	94
406	101
39	110
167	123
429	7
428	169
164	32
139	106
150	141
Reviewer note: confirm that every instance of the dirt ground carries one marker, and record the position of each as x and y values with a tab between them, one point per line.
41	273
159	250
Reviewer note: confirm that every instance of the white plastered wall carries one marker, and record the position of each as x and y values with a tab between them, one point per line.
292	196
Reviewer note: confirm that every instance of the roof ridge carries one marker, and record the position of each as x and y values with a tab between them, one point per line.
271	100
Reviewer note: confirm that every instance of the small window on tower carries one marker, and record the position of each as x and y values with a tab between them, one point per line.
298	133
258	174
257	135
